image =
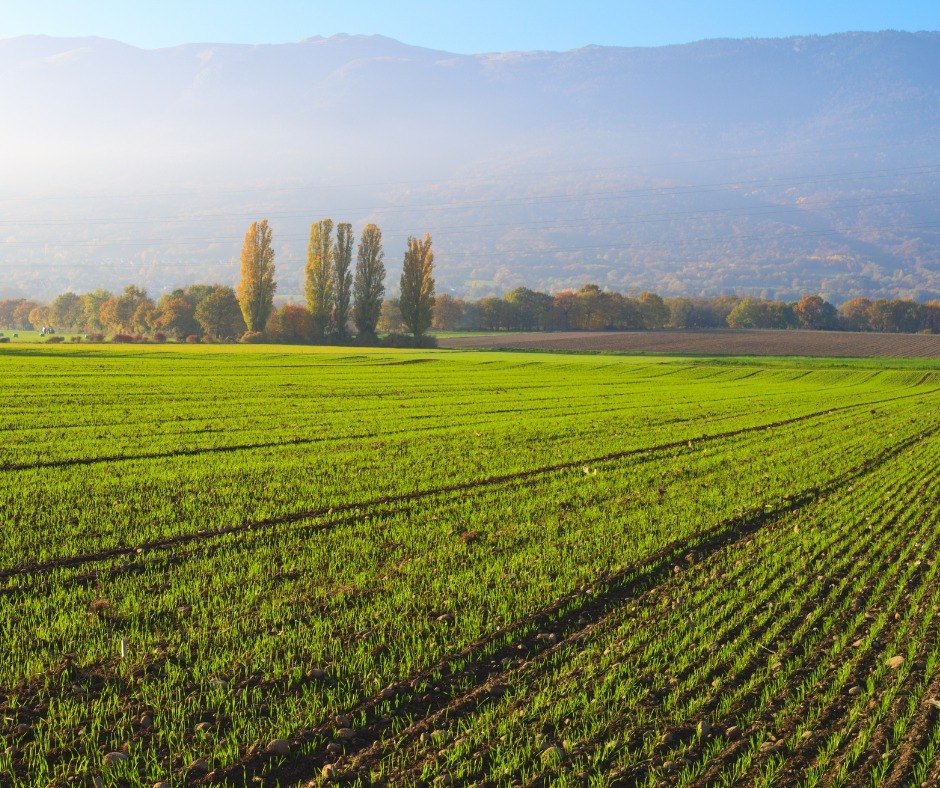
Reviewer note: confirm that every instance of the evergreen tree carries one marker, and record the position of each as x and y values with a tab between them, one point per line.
319	275
256	289
369	284
342	277
417	286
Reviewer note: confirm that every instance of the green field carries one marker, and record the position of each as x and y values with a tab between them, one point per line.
281	565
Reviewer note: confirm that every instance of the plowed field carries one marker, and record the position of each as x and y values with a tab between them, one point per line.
270	566
724	342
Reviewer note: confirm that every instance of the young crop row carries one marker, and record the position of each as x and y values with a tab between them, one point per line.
476	597
105	501
744	667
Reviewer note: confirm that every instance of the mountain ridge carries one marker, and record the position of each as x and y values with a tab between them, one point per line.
766	166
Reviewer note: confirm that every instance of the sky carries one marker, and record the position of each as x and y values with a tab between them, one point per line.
462	26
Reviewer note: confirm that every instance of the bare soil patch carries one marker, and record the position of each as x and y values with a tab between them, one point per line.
715	342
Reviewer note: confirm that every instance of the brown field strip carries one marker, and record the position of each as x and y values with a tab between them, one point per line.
743	342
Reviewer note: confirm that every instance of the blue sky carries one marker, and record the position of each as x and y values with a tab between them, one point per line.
458	25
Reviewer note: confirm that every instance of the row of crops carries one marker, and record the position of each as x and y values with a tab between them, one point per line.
228	564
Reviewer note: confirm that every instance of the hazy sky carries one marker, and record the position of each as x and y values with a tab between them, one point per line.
460	25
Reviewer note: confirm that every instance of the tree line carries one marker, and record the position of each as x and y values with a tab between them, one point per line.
342	301
593	309
339	300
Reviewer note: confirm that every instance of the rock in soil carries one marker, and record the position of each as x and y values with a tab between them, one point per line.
278	747
114	758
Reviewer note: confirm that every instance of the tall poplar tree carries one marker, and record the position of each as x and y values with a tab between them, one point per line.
319	275
257	286
417	286
369	283
342	276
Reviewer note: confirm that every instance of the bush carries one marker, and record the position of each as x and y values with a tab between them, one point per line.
4	339
122	338
194	339
253	337
159	337
96	337
407	341
55	340
75	339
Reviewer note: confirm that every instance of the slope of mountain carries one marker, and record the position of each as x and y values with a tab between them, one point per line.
762	166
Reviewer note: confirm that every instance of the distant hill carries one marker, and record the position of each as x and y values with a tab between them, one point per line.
775	167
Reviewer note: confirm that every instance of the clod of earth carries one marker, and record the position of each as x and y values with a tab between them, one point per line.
114	758
278	747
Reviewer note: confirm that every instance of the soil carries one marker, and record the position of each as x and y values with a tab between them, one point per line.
715	342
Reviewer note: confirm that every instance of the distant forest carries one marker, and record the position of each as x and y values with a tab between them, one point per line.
211	313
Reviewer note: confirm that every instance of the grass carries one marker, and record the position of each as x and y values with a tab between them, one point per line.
481	566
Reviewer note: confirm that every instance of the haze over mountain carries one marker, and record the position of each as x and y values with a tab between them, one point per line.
772	167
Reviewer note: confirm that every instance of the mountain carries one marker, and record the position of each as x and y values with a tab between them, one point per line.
770	167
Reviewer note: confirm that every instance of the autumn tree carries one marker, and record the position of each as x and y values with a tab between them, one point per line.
67	312
291	323
815	313
175	315
39	317
529	310
390	316
565	308
7	308
342	277
492	313
92	303
369	281
448	312
21	312
653	310
126	313
417	286
319	275
219	314
761	313
256	289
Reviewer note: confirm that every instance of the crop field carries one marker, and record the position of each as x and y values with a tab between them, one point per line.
762	342
281	566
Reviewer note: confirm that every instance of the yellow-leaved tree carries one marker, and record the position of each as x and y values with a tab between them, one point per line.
417	286
257	286
319	276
